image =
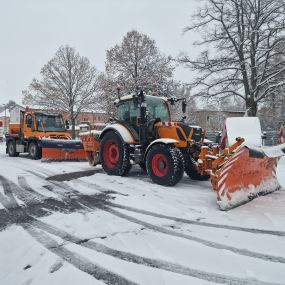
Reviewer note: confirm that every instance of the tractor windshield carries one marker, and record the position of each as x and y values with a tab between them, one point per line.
50	123
156	107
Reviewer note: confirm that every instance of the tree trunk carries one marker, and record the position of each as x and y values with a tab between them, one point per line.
251	106
72	124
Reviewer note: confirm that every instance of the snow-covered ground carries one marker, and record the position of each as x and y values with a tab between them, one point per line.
101	229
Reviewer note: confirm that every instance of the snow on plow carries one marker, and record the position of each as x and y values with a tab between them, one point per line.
59	150
243	172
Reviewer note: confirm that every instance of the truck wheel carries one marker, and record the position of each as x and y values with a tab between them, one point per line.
164	164
34	151
114	155
11	146
191	170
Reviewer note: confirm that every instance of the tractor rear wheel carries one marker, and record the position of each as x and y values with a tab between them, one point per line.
164	164
191	169
114	155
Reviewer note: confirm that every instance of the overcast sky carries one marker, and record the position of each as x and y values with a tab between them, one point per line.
32	30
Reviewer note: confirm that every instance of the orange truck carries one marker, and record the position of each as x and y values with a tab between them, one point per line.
42	135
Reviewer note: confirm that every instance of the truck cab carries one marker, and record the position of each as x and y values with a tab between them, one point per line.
26	136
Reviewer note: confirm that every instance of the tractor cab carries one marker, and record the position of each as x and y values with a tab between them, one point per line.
151	119
129	113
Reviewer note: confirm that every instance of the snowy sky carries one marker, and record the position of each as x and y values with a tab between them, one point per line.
32	30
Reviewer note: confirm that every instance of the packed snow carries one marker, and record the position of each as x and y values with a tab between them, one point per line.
68	223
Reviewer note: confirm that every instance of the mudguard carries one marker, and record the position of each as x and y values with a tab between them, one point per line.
121	130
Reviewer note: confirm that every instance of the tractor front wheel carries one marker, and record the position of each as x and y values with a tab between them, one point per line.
191	169
114	155
164	164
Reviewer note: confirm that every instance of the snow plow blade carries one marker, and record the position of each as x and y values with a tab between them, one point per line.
250	172
61	150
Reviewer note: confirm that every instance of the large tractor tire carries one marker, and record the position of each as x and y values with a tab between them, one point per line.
114	155
191	171
11	146
164	164
34	151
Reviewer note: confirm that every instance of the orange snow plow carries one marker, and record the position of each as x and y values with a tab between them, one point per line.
242	172
145	134
62	149
245	174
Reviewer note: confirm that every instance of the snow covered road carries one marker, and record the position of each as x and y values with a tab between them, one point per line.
57	226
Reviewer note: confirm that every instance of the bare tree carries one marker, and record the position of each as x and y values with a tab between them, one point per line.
8	106
68	84
137	64
245	47
107	94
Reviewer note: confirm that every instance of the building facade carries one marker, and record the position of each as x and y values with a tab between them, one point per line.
213	120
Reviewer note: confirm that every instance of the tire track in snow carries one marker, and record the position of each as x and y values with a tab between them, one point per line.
76	260
129	257
153	227
125	256
244	252
198	223
150	262
187	221
83	264
100	188
18	213
91	202
9	200
28	189
176	219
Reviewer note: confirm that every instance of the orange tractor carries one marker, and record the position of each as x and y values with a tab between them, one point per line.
145	134
43	136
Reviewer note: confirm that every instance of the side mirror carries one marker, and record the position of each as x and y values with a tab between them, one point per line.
184	105
171	100
67	124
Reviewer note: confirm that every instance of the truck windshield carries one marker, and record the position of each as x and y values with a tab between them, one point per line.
50	123
157	109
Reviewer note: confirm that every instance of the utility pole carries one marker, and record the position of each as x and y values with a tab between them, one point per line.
5	122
